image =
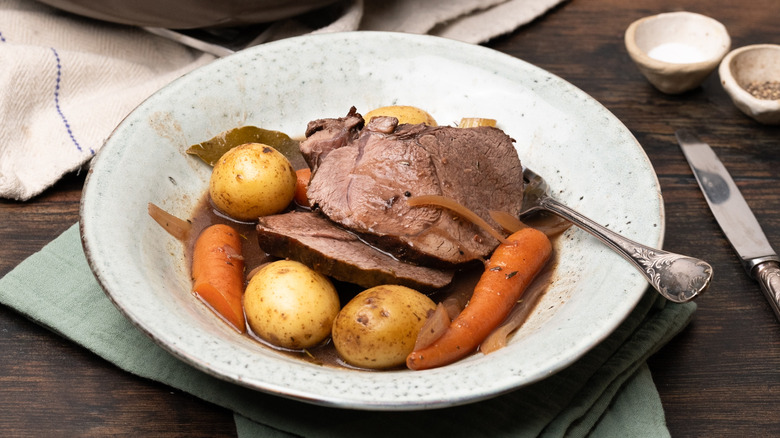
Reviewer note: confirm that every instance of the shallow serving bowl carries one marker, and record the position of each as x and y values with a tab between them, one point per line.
751	77
676	51
591	160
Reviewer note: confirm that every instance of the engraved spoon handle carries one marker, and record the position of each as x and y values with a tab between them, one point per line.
677	277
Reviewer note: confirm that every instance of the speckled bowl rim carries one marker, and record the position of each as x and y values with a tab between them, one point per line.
590	158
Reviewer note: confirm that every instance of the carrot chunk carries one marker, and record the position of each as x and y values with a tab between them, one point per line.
301	186
218	272
510	270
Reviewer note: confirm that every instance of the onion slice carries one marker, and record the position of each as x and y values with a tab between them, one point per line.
548	223
456	207
178	228
455	302
473	122
437	323
507	221
497	339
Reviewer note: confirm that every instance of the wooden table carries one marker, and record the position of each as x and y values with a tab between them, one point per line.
720	377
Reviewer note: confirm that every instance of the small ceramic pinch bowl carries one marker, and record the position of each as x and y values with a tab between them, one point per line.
676	51
751	77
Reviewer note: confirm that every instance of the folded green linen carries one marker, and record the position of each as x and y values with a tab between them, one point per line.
608	392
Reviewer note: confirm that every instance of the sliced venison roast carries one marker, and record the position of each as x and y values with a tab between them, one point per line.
363	185
326	135
319	243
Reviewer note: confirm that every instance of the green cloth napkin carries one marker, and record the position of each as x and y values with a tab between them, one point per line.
608	392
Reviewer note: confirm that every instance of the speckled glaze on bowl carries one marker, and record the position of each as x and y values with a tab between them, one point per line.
745	65
591	160
708	37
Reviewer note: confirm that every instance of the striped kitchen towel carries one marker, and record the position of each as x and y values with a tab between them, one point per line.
67	81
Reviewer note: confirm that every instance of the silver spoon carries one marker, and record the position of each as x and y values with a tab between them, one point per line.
677	277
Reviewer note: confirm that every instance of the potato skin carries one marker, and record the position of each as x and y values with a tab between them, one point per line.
404	114
378	328
290	305
252	180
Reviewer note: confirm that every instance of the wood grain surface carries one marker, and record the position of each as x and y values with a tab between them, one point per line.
720	377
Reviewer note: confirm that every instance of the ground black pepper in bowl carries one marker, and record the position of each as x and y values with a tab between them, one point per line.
767	90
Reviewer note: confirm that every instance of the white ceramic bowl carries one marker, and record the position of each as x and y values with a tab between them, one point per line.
748	67
591	160
676	51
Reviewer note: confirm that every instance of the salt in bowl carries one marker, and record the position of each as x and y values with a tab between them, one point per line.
676	51
751	77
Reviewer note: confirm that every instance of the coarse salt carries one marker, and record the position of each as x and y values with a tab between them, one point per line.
677	53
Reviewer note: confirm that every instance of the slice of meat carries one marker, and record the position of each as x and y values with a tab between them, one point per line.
325	135
317	242
363	185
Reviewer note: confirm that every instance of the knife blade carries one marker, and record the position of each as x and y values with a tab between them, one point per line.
734	216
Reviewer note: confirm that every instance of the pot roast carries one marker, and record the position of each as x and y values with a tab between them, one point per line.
326	247
362	177
361	229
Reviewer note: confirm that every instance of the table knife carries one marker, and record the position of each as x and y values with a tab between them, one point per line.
734	216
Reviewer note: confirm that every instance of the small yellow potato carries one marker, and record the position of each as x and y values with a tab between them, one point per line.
377	329
290	305
252	180
404	114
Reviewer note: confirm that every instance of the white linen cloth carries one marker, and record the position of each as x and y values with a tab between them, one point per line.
67	81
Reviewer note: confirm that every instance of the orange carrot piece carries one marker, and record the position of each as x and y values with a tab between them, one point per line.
218	272
511	268
301	186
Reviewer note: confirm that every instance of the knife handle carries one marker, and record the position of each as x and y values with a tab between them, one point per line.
768	276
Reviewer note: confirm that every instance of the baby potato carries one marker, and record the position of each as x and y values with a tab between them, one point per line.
379	326
290	305
404	114
252	180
